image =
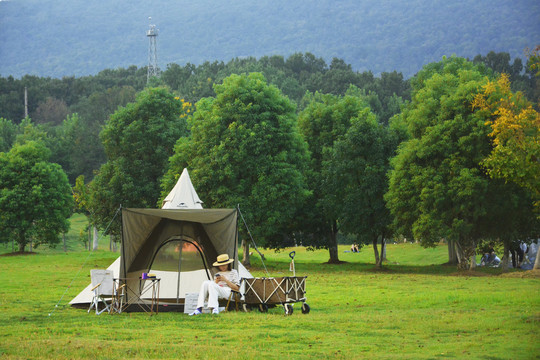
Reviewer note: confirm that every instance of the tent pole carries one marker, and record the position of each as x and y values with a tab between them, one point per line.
236	247
122	250
179	264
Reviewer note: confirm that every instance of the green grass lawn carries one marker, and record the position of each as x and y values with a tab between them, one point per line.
414	308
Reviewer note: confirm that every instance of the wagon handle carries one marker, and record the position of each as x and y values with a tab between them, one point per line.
292	254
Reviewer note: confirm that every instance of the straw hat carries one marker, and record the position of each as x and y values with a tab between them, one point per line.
223	259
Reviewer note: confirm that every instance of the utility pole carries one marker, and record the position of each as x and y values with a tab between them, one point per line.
153	70
25	102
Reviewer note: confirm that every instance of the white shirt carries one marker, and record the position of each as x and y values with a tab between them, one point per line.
232	276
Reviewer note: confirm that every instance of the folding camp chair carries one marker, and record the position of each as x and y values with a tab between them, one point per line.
103	289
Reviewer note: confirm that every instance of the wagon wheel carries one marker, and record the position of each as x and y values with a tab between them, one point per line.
246	307
288	309
305	308
263	308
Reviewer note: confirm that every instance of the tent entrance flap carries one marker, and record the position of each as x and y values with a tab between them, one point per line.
181	265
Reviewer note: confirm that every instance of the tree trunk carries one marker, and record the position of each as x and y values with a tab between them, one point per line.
333	245
383	250
506	252
452	255
95	239
472	258
379	259
375	250
537	262
245	256
473	262
460	255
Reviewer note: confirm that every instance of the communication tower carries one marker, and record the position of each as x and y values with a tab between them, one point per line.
153	70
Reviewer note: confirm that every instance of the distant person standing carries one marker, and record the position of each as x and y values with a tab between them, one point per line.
516	250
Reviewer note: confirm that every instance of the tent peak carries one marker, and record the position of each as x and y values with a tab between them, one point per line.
183	195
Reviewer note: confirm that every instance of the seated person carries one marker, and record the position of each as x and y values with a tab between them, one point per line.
224	282
490	259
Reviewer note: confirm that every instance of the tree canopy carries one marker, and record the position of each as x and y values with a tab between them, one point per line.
515	131
138	140
35	196
245	149
356	179
438	189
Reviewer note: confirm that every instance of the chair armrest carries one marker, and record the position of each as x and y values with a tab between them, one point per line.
94	288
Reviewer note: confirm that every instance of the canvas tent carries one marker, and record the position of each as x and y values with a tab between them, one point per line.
179	246
178	243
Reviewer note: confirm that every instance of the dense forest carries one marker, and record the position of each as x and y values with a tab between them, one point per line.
82	38
70	112
310	150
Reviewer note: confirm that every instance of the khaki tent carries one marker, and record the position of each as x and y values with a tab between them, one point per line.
178	243
178	246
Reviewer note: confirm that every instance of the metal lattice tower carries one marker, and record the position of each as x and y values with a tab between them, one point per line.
153	70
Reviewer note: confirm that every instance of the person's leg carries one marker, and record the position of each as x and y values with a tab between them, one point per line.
216	292
520	254
213	294
203	294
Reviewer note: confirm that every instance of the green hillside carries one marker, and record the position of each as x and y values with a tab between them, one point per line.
80	38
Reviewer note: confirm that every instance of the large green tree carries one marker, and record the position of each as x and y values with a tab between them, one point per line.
515	130
356	180
35	196
325	120
245	149
138	140
438	189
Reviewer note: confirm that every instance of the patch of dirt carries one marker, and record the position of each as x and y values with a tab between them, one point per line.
19	253
378	269
529	274
469	273
339	262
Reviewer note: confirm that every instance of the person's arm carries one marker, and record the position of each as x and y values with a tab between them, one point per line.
234	283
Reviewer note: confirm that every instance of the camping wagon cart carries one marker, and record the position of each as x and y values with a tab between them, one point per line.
267	292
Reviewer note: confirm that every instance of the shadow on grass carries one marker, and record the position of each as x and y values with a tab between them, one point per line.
281	268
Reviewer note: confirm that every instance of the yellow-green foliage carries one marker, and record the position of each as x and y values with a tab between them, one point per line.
414	308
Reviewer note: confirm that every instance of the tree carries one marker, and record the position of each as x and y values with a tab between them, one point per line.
515	131
356	180
138	140
51	111
8	133
245	149
325	119
438	189
35	196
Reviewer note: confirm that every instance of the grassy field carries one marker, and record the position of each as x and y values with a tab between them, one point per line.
414	308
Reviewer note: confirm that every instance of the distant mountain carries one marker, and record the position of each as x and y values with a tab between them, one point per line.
76	37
